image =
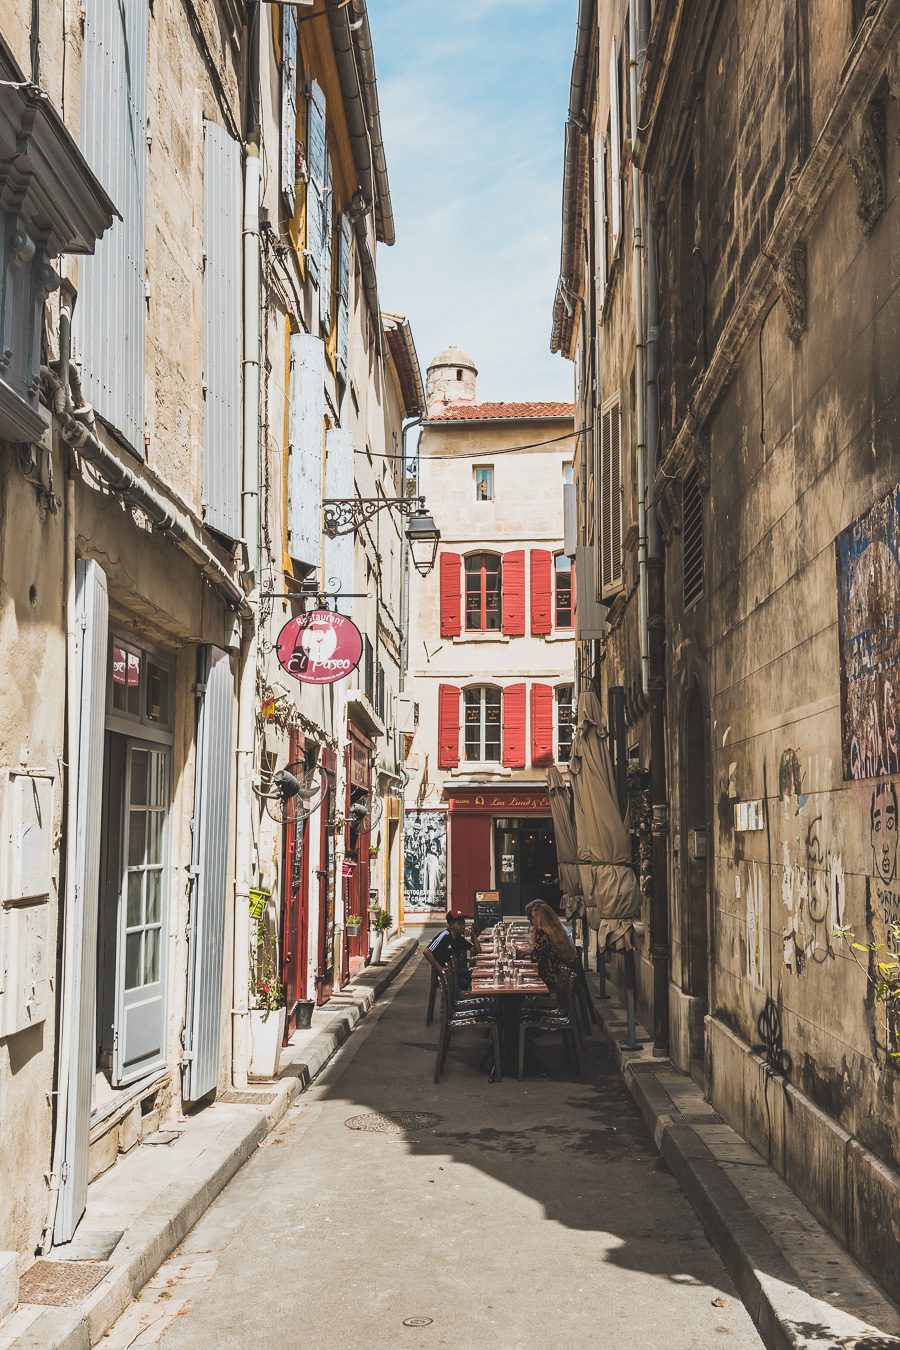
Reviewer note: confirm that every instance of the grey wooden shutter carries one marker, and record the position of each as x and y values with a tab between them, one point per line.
325	282
222	330
306	430
212	796
343	293
601	226
610	498
615	137
109	319
339	483
288	105
79	1041
316	154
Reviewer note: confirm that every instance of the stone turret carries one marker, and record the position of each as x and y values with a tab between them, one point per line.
451	379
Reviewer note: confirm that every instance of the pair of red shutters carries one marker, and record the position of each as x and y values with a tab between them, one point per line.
514	725
513	593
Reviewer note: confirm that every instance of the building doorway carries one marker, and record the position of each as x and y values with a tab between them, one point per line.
295	912
525	866
326	875
695	873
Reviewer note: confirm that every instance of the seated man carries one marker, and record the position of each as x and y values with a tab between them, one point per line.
453	942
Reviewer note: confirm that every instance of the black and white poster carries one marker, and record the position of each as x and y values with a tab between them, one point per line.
425	862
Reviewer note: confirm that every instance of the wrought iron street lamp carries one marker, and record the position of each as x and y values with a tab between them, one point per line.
347	515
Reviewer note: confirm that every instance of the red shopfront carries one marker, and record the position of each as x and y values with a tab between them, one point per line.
357	810
501	839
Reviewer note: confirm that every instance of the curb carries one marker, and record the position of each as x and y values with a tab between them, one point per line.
768	1284
169	1219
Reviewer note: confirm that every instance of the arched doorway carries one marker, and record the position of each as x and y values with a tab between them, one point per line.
695	872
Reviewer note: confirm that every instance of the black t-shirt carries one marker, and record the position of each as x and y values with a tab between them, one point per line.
445	945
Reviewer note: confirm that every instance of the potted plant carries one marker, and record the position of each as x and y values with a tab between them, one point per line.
354	923
380	920
267	1018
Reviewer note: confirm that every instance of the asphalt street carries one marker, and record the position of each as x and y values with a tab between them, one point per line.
532	1214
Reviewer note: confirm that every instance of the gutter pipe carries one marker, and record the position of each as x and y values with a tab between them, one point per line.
406	428
574	128
356	69
640	362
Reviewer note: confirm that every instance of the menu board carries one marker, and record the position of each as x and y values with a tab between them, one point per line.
487	910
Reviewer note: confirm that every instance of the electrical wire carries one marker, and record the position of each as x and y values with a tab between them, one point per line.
490	454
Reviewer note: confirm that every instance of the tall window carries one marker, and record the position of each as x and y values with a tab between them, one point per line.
563	723
483	724
484	483
562	579
568	474
483	613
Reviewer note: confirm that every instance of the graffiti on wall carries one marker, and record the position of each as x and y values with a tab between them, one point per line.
812	892
868	580
883	906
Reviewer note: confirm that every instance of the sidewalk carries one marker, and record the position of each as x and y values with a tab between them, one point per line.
141	1209
801	1287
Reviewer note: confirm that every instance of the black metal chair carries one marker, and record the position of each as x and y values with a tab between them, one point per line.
562	1020
454	1019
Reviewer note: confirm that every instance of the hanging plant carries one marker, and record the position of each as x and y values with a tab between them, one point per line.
640	822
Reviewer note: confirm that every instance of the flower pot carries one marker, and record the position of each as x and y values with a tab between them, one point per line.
304	1013
377	945
353	929
266	1035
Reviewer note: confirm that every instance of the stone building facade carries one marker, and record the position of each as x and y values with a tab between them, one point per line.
732	318
197	359
491	648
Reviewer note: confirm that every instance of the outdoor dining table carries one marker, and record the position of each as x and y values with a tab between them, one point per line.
509	992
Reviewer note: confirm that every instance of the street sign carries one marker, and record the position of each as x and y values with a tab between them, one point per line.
319	647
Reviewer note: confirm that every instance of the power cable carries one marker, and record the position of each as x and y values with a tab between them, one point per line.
481	454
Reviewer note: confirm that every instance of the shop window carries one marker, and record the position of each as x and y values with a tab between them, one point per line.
482	724
140	687
483	592
484	483
563	574
564	723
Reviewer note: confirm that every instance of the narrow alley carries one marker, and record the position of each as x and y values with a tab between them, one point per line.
521	1214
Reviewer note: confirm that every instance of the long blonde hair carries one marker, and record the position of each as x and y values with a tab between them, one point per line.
547	921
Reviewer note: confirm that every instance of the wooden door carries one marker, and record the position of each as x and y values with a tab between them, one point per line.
325	874
295	906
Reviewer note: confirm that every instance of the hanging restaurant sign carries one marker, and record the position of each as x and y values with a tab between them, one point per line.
319	647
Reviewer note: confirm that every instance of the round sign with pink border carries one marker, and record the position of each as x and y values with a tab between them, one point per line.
319	647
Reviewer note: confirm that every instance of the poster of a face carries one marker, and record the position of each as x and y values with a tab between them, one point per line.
425	862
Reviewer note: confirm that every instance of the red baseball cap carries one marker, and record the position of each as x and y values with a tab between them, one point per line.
455	914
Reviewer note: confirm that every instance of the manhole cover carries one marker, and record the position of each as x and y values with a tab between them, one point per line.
61	1284
234	1098
417	1321
392	1122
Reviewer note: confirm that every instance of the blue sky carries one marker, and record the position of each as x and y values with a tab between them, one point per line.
473	98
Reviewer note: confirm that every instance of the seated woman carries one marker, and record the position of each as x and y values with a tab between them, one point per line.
552	948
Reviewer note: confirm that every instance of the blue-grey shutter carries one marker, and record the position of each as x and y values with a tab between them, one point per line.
79	1040
615	135
325	282
109	319
343	293
317	155
600	225
222	331
288	104
339	483
212	796
306	431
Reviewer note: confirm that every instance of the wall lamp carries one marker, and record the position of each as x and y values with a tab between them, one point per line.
347	515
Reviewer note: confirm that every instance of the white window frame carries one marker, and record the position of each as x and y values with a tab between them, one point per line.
609	568
488	469
481	689
557	689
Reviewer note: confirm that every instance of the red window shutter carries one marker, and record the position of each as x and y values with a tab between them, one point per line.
514	593
541	591
448	726
514	726
451	595
541	725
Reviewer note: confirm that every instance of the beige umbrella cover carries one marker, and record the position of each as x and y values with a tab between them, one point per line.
566	845
610	888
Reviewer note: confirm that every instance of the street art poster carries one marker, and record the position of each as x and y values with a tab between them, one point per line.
883	894
425	862
868	581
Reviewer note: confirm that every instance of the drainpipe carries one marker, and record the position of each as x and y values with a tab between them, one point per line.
653	609
246	734
405	429
640	354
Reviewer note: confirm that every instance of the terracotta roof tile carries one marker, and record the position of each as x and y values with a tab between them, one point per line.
491	412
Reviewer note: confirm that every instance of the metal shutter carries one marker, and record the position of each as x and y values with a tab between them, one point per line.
691	539
222	331
212	797
288	105
78	1049
109	319
306	435
339	484
316	155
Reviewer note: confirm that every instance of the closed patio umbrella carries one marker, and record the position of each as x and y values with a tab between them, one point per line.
560	796
610	889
